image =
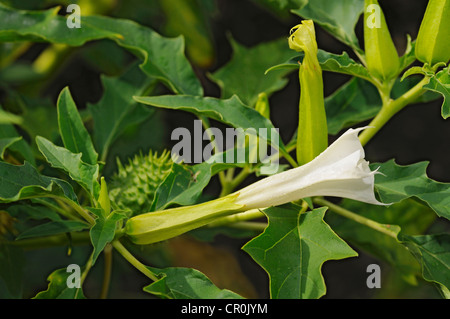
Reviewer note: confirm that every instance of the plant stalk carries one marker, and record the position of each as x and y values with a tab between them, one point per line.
356	218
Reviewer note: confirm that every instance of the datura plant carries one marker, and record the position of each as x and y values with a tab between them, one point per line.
129	154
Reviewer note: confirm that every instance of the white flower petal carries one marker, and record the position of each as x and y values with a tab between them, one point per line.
339	171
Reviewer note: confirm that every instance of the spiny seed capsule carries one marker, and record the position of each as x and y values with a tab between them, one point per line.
134	185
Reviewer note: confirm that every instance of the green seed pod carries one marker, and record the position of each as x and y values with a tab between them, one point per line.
134	185
312	137
381	55
433	40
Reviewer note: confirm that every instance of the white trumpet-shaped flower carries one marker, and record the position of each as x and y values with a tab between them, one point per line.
339	171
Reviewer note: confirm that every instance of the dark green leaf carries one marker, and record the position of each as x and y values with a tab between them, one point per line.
73	133
184	184
337	17
309	241
163	58
59	157
191	19
40	26
7	131
411	216
24	212
117	110
433	253
40	117
400	182
58	288
24	182
354	102
6	143
329	62
186	283
232	111
53	228
103	231
244	75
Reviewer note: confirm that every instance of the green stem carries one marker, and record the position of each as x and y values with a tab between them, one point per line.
230	174
107	253
132	260
206	125
230	186
237	218
83	213
289	158
356	218
76	238
390	108
62	211
87	268
254	226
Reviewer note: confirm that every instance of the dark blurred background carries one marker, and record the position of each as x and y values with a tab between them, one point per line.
418	133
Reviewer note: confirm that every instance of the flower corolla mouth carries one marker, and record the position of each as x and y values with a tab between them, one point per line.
303	37
339	171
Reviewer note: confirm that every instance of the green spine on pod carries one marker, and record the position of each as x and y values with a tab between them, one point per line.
433	40
382	59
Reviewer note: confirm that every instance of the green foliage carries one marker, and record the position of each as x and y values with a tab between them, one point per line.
433	253
230	111
73	133
153	49
402	182
186	283
329	62
59	157
117	110
75	100
254	62
310	242
53	228
25	182
58	289
412	217
338	18
104	230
